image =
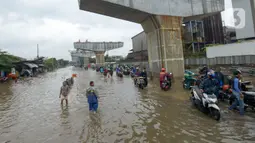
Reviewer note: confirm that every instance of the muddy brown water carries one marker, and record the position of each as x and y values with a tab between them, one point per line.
30	112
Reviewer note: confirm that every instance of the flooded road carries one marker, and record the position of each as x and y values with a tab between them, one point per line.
30	112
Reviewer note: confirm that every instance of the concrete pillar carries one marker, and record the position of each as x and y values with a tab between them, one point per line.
100	58
164	44
86	61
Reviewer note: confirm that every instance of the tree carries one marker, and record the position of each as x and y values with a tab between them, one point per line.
7	60
51	64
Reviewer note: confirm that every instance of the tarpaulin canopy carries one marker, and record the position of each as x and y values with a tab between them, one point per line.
31	65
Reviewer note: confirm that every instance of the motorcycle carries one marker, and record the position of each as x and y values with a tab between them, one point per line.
139	82
126	72
111	72
4	79
206	103
120	74
132	74
166	84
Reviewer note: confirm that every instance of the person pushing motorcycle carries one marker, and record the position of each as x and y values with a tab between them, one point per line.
237	92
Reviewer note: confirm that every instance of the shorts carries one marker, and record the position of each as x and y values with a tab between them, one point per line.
64	97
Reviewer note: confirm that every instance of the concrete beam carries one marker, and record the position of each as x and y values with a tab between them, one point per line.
82	54
139	10
98	46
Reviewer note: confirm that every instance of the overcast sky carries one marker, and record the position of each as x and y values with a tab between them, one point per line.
55	25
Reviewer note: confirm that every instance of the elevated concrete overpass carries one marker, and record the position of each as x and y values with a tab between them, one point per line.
161	21
78	55
98	48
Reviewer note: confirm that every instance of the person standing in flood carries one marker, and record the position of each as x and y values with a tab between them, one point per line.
64	90
92	96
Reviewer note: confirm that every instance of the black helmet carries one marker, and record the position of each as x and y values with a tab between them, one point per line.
236	72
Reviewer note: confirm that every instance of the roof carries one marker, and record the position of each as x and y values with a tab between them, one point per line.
137	34
30	65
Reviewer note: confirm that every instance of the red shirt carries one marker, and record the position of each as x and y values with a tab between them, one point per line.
161	76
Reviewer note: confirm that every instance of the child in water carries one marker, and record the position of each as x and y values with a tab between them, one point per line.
64	90
92	96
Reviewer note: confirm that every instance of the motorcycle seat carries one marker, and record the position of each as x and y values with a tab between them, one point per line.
198	91
246	82
250	93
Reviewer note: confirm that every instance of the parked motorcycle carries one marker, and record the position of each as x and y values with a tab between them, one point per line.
206	103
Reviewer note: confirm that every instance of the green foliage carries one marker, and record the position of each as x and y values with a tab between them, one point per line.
51	64
62	63
6	61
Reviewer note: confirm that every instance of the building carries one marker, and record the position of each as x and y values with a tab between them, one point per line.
196	35
229	34
213	29
199	33
248	31
193	35
139	51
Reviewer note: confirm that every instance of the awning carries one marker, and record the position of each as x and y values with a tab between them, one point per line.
31	65
41	65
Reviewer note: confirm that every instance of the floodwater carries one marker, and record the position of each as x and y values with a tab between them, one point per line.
30	112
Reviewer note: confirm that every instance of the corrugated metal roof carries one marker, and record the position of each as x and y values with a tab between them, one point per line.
30	65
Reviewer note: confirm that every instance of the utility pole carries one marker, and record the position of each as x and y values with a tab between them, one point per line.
37	51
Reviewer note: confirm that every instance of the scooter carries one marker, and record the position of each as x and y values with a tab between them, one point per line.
126	72
189	79
166	84
120	74
132	74
4	79
206	103
140	82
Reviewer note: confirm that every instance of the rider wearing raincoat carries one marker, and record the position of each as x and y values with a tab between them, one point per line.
210	85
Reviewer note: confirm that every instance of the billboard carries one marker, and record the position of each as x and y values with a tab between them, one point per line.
243	18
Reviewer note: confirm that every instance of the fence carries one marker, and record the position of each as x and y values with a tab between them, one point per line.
230	60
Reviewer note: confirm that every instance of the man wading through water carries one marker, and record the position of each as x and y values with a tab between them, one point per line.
64	90
92	96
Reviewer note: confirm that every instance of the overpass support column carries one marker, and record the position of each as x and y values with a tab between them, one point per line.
164	40
100	58
86	61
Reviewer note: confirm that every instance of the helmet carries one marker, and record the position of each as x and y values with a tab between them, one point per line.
91	83
237	72
163	69
211	73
